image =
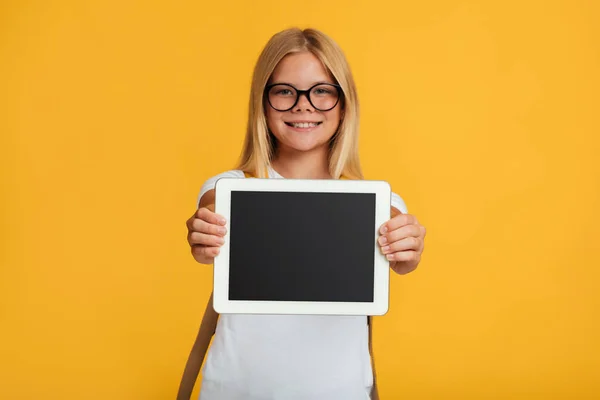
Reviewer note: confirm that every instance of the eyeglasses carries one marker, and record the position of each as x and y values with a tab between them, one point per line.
322	96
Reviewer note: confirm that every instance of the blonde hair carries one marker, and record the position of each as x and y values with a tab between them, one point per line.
259	144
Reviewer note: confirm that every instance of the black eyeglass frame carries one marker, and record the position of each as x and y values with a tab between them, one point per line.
306	93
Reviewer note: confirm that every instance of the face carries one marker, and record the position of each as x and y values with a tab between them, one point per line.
303	128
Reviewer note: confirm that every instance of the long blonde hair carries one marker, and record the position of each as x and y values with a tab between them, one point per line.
259	144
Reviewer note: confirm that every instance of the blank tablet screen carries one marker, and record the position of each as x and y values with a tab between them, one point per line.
298	246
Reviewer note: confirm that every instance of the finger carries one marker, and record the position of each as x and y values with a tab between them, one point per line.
199	225
397	222
404	256
399	234
410	243
210	217
195	238
190	221
205	251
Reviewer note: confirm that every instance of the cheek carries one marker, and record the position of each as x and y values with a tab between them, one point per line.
333	119
271	120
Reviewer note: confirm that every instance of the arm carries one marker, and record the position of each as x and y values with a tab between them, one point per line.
374	390
203	253
196	357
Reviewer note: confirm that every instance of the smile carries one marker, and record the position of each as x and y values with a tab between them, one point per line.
303	124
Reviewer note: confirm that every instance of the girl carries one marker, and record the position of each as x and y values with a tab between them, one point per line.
303	124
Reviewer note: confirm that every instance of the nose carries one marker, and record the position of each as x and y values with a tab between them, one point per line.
304	103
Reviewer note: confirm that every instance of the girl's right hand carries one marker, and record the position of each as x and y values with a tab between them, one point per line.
206	232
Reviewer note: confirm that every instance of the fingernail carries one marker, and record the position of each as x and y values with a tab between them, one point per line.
222	231
390	257
386	249
384	229
221	241
382	240
222	221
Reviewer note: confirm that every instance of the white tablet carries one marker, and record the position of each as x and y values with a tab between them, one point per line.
302	247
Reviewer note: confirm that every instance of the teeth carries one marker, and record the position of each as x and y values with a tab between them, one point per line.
304	124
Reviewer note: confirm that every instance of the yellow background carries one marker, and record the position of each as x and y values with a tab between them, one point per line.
482	115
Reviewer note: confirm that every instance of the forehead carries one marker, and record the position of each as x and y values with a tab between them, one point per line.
301	69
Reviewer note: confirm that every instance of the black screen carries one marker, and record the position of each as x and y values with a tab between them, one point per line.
298	246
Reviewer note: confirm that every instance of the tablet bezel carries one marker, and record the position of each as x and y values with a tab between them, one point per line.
379	306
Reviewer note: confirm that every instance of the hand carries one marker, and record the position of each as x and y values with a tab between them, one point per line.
206	233
402	241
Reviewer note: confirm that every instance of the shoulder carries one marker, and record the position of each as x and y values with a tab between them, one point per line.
398	203
209	184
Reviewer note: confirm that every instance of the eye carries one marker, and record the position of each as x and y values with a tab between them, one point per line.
323	91
284	92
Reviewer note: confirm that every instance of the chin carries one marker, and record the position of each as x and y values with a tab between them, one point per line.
304	146
305	143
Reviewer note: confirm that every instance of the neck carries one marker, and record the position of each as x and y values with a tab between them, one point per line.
302	165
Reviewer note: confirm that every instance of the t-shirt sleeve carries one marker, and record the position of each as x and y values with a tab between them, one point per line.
398	203
210	183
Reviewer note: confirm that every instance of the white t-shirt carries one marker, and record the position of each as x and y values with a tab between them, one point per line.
288	357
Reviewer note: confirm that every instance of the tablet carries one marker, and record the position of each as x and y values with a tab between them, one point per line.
296	246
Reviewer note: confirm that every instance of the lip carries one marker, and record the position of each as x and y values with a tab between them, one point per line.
303	130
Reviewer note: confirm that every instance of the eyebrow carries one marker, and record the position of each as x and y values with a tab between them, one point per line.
313	84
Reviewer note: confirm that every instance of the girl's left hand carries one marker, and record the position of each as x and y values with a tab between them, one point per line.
402	241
